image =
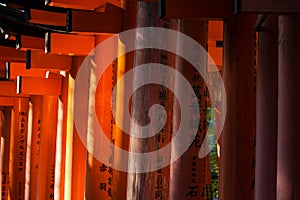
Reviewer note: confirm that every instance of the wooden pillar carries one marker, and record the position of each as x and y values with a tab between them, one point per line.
266	111
2	145
189	173
154	184
18	145
78	167
35	144
121	139
139	184
98	174
77	152
288	174
69	138
64	137
6	135
46	175
237	151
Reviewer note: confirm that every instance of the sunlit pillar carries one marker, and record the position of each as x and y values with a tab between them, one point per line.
69	139
18	145
78	168
62	160
35	144
98	174
46	168
76	154
121	139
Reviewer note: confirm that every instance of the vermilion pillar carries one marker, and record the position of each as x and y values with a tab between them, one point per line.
237	151
2	145
78	167
288	163
98	174
47	148
18	144
121	139
188	174
153	184
266	111
6	135
64	136
77	153
35	144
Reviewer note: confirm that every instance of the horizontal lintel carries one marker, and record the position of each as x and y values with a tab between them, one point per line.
47	17
69	44
179	9
38	86
40	60
107	22
25	43
15	69
9	88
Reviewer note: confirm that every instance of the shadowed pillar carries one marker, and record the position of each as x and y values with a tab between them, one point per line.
6	136
288	163
266	111
189	173
237	152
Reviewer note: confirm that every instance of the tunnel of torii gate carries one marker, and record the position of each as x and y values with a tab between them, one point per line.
50	150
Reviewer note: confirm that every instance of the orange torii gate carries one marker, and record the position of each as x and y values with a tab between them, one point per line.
16	135
237	162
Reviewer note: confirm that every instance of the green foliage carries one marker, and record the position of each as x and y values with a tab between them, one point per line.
213	155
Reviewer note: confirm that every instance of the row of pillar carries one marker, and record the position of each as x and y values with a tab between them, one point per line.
275	163
259	140
28	142
288	175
